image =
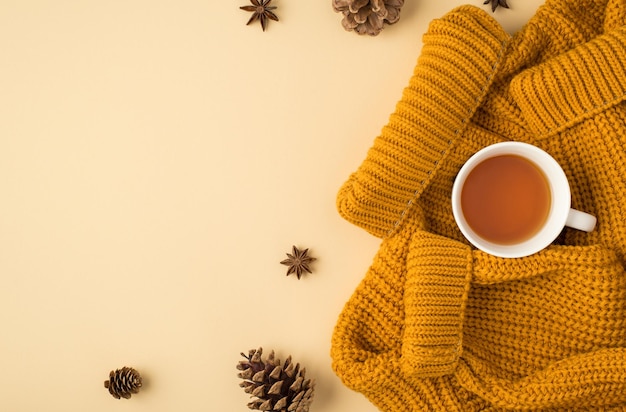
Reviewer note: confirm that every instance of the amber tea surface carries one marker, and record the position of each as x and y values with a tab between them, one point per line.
506	199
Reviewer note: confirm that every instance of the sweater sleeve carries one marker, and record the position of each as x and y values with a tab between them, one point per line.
371	348
460	54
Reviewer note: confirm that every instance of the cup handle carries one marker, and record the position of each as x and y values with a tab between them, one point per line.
580	220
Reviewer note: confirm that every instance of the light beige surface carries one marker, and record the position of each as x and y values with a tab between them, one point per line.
157	161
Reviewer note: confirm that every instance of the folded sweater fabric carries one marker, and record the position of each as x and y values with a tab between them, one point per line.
436	325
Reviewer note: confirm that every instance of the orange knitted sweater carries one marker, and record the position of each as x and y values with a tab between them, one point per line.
437	325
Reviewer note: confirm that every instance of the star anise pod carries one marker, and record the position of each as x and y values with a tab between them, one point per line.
298	262
262	11
496	3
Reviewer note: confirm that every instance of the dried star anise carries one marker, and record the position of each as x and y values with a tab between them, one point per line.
298	262
496	3
262	11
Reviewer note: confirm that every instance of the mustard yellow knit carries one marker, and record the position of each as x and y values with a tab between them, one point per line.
437	325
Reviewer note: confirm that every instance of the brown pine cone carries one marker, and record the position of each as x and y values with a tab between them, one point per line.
368	16
123	382
275	387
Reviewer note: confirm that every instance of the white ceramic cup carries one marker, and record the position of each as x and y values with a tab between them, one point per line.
559	215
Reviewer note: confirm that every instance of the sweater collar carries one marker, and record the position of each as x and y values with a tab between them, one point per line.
568	62
566	89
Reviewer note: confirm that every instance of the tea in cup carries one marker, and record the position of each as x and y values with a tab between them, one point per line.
512	199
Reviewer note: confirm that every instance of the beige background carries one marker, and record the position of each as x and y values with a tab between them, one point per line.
157	161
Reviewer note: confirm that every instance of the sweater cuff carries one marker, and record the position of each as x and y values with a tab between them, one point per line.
460	54
438	279
564	90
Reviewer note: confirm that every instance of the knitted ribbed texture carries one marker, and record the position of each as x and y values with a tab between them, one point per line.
436	325
448	82
438	274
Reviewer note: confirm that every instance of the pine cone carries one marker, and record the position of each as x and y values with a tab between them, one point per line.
275	387
123	382
368	16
